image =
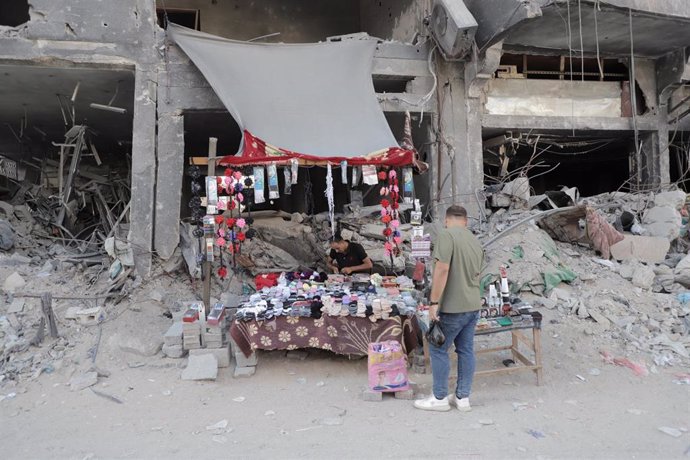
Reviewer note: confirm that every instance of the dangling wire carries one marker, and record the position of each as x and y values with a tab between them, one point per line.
582	47
596	36
633	97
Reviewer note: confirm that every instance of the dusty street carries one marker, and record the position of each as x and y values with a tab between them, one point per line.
313	408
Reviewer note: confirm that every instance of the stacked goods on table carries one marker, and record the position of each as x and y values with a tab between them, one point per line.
313	295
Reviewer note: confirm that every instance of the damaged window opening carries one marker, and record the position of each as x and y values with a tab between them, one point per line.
185	17
592	164
14	13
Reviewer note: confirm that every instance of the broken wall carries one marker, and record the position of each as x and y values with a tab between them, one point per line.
394	19
297	21
119	34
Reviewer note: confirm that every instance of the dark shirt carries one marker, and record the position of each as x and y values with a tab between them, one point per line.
353	256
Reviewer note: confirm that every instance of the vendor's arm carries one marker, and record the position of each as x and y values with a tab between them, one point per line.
332	266
331	262
365	266
443	252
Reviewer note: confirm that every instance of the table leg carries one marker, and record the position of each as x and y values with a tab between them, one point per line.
514	347
536	334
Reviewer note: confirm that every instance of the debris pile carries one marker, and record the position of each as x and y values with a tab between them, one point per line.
628	283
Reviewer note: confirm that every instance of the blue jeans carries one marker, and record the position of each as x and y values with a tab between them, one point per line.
458	329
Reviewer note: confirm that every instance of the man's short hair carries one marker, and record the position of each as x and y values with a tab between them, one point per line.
456	211
336	239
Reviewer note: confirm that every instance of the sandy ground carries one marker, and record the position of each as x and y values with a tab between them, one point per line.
313	409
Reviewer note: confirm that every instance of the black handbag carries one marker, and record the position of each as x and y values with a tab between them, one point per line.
435	335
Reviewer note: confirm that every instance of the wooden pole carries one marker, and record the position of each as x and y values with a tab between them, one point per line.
206	266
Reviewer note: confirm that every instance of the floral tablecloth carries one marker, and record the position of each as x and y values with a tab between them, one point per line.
342	335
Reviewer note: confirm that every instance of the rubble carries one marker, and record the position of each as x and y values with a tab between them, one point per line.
646	249
6	236
682	272
663	221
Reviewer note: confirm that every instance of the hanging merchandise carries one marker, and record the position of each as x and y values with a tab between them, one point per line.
355	176
329	197
408	185
211	195
259	184
273	192
369	174
416	214
343	172
390	212
287	176
294	168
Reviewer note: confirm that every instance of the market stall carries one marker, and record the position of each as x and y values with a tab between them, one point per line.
335	313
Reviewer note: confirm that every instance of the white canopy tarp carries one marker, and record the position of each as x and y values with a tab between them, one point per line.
315	98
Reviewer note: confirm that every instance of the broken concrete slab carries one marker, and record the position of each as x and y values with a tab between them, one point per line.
173	351
290	236
6	235
241	372
648	249
82	381
682	272
221	354
148	345
674	199
201	367
86	316
13	282
663	221
173	336
16	306
643	277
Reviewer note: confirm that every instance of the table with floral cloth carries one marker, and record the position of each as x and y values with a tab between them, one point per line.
344	335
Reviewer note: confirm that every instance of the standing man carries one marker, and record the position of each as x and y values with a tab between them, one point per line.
455	302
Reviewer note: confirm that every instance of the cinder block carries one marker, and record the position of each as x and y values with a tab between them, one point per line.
173	336
244	371
406	395
243	361
373	396
222	354
173	351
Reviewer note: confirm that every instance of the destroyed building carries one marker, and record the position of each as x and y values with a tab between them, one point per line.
101	111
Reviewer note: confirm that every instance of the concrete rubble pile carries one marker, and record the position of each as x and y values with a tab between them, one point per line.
72	271
640	295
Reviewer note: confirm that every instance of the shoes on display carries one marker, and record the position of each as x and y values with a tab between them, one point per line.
433	404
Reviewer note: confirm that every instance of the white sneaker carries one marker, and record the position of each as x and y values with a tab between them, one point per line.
433	404
463	404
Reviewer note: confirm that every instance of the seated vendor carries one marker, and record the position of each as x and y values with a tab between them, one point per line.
347	257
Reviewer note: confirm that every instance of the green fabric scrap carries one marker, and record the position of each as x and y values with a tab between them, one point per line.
554	278
518	253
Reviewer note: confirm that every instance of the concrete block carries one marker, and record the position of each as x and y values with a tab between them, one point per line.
244	372
222	354
674	199
243	361
202	367
173	336
372	396
648	249
174	351
407	395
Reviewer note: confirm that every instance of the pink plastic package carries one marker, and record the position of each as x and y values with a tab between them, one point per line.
387	367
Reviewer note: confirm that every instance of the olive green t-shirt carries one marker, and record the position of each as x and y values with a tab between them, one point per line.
459	248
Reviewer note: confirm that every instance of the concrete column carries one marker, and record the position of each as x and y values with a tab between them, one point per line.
143	169
169	185
450	174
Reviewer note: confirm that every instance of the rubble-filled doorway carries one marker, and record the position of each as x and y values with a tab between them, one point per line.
593	162
66	134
